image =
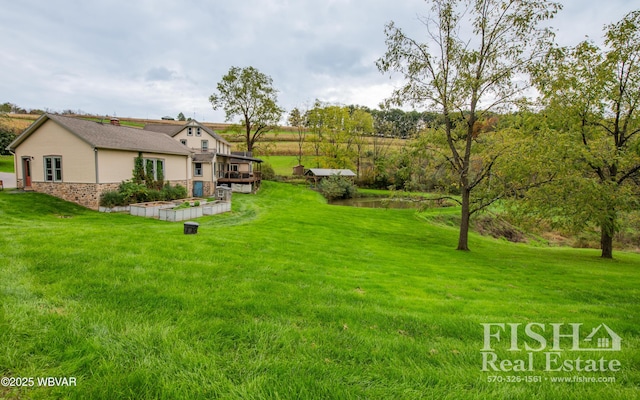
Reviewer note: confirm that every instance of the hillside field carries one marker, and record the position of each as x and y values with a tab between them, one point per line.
289	297
282	141
6	164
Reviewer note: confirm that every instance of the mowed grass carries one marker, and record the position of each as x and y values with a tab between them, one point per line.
288	297
6	164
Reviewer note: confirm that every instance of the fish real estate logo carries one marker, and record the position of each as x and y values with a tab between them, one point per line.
551	347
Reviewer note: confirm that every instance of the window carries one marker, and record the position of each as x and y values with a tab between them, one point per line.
154	167
198	133
150	168
53	169
160	169
189	131
183	141
205	145
234	167
197	171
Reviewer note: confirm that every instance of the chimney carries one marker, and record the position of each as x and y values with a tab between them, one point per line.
115	121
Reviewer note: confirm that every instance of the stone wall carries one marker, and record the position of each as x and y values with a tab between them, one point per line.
208	189
84	194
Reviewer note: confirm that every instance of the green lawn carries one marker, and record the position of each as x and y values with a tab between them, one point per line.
288	297
6	164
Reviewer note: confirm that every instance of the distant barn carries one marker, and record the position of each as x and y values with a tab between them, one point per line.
318	174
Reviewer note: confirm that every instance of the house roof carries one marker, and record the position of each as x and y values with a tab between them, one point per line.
237	158
169	129
173	130
329	172
203	157
107	136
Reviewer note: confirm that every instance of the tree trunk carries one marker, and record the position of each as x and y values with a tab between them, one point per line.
249	144
606	237
606	243
607	230
463	239
247	127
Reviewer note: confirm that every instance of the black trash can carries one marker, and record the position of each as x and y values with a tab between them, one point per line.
191	228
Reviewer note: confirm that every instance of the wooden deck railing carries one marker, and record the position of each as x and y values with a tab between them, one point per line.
241	177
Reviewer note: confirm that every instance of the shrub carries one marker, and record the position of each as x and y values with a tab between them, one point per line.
111	199
138	170
155	195
174	192
133	192
268	174
130	192
337	187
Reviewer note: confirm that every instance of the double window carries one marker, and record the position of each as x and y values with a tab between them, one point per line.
198	133
53	169
154	167
189	131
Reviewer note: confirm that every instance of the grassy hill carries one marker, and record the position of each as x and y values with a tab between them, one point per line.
288	297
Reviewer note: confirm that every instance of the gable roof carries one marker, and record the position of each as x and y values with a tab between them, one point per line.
173	130
107	136
329	172
168	129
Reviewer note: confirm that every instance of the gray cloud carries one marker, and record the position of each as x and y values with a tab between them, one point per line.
153	58
160	74
335	59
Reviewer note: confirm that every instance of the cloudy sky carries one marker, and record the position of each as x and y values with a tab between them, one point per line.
150	58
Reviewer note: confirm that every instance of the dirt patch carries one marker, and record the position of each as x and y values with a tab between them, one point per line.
491	225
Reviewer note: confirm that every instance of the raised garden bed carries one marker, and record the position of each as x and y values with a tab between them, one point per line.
180	214
114	209
191	201
149	210
186	213
217	207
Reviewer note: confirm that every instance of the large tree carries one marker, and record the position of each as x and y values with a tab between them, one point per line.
296	120
592	97
465	77
249	94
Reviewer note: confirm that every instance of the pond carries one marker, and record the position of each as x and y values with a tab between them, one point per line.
375	202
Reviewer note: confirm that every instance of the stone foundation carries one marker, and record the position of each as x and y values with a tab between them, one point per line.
208	189
84	194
